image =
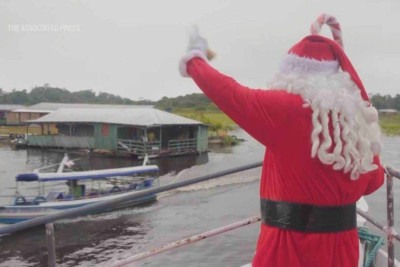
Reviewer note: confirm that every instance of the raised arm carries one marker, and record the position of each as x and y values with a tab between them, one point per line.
259	112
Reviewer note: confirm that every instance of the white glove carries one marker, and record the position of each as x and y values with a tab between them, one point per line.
198	47
196	42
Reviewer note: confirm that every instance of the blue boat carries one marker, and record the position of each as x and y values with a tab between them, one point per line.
95	186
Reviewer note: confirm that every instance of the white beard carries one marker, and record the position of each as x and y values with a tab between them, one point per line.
335	98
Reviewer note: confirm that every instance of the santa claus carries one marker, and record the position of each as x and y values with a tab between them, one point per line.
322	144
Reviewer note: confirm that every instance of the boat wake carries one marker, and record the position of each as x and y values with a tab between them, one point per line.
112	215
232	179
17	261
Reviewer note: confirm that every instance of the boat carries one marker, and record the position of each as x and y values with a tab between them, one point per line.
96	186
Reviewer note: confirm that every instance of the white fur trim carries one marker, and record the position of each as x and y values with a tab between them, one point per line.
336	100
294	64
189	55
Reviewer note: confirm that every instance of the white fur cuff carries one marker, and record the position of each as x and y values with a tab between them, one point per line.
294	64
189	55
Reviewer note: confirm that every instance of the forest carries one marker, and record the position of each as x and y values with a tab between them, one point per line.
50	94
196	101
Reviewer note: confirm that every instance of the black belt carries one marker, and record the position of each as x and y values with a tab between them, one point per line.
308	218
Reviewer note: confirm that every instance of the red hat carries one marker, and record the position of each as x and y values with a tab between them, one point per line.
318	54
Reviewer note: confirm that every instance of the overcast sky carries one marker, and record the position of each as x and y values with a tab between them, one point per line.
132	48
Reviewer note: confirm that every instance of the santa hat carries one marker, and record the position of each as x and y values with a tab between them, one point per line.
318	54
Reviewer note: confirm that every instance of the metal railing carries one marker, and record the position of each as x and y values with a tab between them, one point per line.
103	205
61	141
391	234
182	145
140	148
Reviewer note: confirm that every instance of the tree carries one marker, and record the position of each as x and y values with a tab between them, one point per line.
18	97
386	101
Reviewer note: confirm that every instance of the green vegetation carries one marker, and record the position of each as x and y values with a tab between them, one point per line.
390	123
194	106
193	102
46	93
386	101
198	107
217	120
230	140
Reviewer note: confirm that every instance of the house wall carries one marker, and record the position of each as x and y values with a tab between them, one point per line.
105	136
34	116
202	138
49	129
3	118
63	129
130	132
168	133
182	132
18	117
12	118
61	141
76	129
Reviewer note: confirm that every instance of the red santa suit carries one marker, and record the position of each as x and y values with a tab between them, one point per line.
300	164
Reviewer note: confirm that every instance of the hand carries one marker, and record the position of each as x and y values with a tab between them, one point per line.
198	47
196	42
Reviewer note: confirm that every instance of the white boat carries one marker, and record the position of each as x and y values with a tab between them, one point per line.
97	185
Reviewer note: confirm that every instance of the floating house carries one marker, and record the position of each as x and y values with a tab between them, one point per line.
11	120
119	130
55	106
388	111
20	116
5	110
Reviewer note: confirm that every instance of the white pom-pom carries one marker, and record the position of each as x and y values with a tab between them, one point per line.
371	114
376	148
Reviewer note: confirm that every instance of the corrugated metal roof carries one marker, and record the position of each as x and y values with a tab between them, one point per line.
55	106
127	116
32	111
11	107
388	110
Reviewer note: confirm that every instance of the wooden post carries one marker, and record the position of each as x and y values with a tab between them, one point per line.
160	139
145	140
390	219
51	247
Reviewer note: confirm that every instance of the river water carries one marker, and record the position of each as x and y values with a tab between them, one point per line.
99	240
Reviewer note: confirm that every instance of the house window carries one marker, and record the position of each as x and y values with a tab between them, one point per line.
105	129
